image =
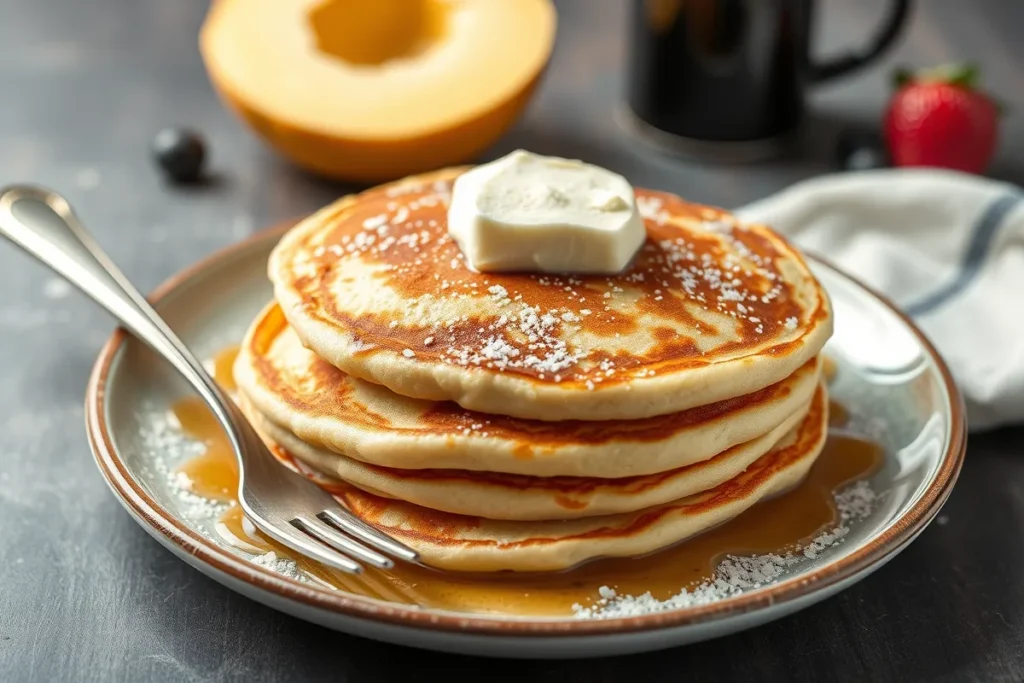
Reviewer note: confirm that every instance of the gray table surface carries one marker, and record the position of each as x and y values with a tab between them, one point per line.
86	595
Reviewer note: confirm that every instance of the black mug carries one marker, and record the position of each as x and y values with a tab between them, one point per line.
725	79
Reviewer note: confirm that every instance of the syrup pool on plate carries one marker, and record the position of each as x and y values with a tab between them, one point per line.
782	524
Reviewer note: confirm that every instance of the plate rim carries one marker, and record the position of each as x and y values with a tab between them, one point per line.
143	507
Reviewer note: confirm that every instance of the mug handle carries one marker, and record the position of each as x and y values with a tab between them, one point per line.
899	10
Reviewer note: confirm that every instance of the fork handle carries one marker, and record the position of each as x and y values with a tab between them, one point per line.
42	223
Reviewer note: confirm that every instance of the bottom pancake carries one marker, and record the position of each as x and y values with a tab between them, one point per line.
497	495
474	544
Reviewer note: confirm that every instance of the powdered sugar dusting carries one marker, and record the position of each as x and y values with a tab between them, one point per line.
164	441
735	575
56	288
167	447
546	351
281	565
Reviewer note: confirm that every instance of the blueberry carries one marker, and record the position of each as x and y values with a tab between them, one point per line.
860	150
180	153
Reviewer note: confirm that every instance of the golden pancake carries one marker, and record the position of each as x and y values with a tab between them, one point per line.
512	496
463	543
331	410
710	309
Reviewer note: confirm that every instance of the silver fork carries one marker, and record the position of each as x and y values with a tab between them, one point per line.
282	504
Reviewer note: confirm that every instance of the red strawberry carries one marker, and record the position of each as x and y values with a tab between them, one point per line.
938	118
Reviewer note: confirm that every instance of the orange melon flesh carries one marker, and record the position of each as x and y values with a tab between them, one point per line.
370	90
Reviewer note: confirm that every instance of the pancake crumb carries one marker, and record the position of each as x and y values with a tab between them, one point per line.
735	575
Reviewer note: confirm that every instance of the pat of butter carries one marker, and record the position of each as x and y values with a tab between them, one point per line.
526	212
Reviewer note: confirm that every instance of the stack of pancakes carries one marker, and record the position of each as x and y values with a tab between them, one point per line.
532	422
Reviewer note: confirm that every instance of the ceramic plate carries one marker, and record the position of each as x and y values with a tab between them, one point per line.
889	378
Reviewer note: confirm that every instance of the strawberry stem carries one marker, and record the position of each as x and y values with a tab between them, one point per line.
964	75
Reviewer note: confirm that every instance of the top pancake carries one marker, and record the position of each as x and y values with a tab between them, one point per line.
710	309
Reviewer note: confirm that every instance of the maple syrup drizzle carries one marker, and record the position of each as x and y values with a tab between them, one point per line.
214	474
223	368
774	526
838	415
829	368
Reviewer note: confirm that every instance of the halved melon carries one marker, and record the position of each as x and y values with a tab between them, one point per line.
370	90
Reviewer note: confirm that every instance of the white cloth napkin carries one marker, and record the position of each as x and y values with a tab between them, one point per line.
947	247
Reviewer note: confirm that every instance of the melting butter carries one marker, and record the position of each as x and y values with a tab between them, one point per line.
533	213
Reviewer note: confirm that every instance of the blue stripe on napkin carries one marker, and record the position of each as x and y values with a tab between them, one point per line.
982	234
